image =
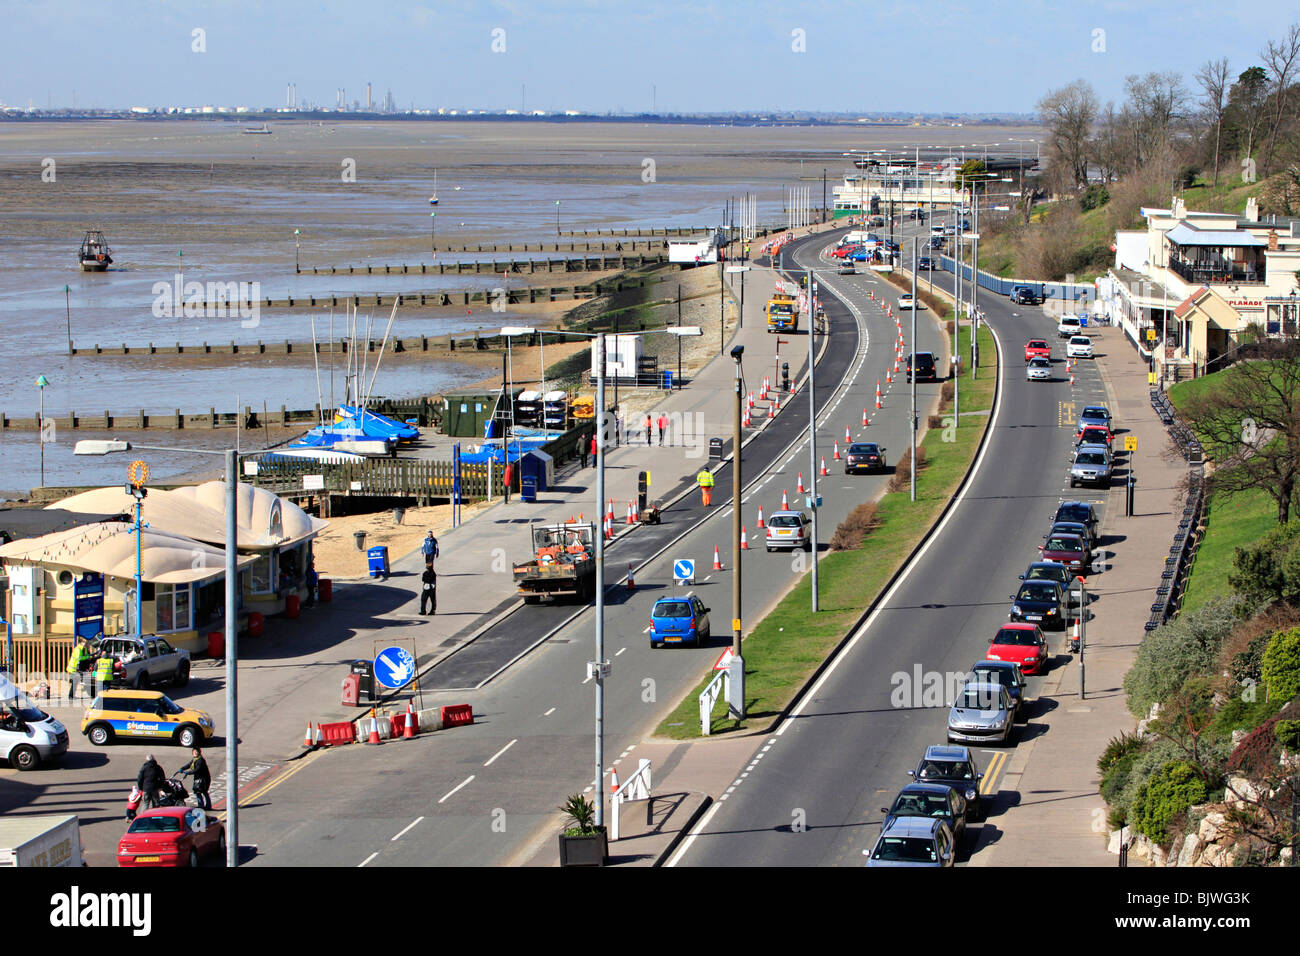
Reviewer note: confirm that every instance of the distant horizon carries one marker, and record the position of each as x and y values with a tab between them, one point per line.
601	58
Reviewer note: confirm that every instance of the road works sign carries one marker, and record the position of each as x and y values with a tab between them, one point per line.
394	667
684	570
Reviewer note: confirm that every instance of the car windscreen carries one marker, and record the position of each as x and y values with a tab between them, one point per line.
1000	675
161	824
1037	591
1040	363
671	609
1090	458
1073	513
1016	637
1064	544
979	698
864	449
920	805
1091	436
1061	573
1036	344
167	706
1095	411
784	521
905	850
946	770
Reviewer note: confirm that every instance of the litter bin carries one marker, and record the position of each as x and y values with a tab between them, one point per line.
528	488
715	449
377	559
360	537
668	380
365	673
324	590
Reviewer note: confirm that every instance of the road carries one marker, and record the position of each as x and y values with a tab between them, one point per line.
487	794
813	791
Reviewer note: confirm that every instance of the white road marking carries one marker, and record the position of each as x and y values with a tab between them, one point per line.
620	651
368	859
493	758
549	712
403	833
457	787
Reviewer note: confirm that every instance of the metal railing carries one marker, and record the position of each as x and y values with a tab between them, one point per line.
1187	537
718	687
637	787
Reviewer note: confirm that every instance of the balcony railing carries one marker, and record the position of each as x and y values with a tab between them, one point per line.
1198	273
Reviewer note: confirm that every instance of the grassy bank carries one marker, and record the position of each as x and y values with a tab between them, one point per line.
786	646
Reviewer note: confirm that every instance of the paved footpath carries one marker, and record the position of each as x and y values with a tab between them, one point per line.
1055	774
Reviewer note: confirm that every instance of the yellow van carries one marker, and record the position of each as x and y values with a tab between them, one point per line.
143	715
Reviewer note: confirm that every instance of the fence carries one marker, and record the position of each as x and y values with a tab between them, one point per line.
45	654
1187	538
637	787
1072	291
382	477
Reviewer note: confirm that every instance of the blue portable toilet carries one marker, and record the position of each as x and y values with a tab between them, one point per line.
538	466
377	557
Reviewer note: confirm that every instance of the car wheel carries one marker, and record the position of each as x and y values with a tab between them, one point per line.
221	845
769	550
654	644
100	735
24	758
807	546
142	680
188	736
194	858
182	674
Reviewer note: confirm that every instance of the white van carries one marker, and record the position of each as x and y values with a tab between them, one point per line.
28	735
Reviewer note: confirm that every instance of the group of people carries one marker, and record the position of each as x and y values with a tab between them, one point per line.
88	668
589	450
429	579
149	781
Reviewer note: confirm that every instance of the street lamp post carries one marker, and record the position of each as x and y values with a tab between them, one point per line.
913	376
67	308
736	674
94	447
812	431
433	229
1083	634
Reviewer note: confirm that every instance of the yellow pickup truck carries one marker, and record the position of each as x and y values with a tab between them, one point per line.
782	313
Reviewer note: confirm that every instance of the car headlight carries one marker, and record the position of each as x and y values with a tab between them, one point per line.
1015	609
994	657
970	794
1051	610
205	722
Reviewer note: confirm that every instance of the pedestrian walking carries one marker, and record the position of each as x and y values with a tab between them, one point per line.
595	450
649	427
507	479
584	453
149	781
618	429
430	550
429	591
663	427
198	767
705	480
313	583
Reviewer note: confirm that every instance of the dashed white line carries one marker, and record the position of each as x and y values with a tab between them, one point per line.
368	859
405	830
458	786
621	650
549	712
493	758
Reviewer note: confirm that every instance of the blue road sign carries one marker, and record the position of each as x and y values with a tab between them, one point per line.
684	569
394	667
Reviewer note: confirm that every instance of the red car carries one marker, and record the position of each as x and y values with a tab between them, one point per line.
846	250
1037	348
1070	550
171	836
1023	644
1094	435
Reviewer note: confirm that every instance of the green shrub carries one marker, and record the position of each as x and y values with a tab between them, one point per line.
1288	734
1269	570
1118	747
1242	713
1280	665
1245	666
1113	784
1175	651
1094	197
1165	797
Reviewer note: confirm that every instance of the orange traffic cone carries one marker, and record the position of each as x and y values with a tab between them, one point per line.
799	489
760	518
836	456
631	583
630	519
374	728
717	559
613	780
824	471
776	402
307	738
609	528
847	439
408	725
785	502
744	538
865	422
889	372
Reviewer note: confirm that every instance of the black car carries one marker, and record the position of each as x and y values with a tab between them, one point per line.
1051	571
954	766
925	370
936	801
1073	527
864	456
1039	602
1023	295
1006	673
925	262
936	242
1079	511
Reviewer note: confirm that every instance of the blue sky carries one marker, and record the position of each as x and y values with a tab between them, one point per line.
595	55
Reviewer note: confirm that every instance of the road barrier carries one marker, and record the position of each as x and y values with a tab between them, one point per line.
718	687
637	787
455	715
336	734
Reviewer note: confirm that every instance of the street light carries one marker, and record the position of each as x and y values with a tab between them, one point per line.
736	677
433	229
97	447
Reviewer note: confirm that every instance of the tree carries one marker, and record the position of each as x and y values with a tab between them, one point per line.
973	170
1281	58
1154	100
1250	425
1068	114
1213	80
1246	100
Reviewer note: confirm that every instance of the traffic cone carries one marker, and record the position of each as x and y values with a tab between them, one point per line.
878	404
408	725
631	582
374	728
609	528
746	422
761	523
613	780
744	538
609	512
836	456
307	738
889	372
630	519
865	422
847	439
717	559
799	489
776	402
824	471
785	502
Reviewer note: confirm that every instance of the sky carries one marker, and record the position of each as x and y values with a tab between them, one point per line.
606	56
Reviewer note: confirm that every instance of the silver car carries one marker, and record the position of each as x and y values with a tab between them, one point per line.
789	529
982	713
1038	370
913	841
1091	466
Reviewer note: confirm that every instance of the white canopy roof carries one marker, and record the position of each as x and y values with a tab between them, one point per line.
1185	234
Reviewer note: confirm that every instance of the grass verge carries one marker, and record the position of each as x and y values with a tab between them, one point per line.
784	649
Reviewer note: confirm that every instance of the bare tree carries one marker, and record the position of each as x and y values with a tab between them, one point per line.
1213	80
1282	60
1155	100
1246	99
1250	425
1069	113
1107	147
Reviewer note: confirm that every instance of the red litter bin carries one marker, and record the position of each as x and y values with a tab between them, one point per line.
291	606
255	624
216	644
325	590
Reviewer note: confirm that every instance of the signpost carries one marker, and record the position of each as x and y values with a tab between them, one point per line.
394	667
684	571
1130	443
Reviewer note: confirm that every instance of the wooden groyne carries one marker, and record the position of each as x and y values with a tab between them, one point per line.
601	263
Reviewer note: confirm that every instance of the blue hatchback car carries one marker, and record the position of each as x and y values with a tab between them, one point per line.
679	620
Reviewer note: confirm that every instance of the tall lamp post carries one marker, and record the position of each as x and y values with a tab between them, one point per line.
812	431
433	233
98	447
736	674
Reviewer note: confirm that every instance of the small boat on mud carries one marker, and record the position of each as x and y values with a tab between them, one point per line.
95	256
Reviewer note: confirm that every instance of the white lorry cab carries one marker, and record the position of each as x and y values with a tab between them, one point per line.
50	840
28	735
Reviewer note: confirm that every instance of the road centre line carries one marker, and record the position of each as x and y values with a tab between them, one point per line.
493	758
368	859
549	712
621	650
457	787
408	827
